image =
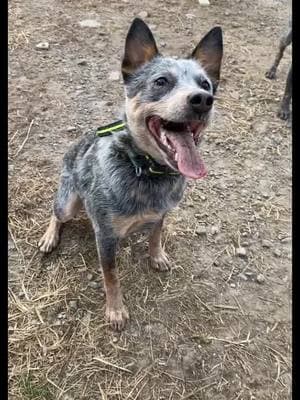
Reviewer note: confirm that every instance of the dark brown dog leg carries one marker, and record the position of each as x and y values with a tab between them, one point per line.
284	110
284	42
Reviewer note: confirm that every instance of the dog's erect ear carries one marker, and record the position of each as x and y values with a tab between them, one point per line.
140	47
209	53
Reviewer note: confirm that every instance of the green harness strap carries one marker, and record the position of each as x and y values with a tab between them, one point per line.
118	126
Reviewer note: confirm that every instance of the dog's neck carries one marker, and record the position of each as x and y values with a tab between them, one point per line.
143	162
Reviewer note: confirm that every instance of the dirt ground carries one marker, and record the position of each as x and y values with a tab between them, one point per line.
218	326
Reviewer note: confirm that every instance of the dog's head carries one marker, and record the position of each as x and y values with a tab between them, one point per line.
169	102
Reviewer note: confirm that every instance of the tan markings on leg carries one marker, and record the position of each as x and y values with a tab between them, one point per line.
158	258
50	239
116	312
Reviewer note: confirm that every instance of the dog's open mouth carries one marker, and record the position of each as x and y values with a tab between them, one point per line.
178	140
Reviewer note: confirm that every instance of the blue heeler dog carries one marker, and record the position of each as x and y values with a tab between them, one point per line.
129	180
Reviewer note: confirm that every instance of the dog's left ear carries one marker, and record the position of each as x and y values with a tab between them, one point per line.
140	47
209	53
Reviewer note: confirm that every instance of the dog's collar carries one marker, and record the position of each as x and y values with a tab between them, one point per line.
143	164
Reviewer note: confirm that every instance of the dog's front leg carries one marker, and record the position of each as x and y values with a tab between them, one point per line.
158	258
116	312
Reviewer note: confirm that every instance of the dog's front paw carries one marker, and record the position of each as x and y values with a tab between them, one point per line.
284	113
117	316
271	74
49	241
160	262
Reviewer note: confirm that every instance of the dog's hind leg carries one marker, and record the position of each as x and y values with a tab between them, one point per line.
284	110
66	205
158	258
284	42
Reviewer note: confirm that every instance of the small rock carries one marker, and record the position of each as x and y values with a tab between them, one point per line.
115	339
203	198
61	315
42	46
89	277
190	16
11	245
216	263
266	195
260	278
71	128
73	304
201	231
266	243
215	230
81	62
227	13
249	273
204	2
241	252
114	76
245	244
153	27
233	285
94	285
286	240
243	276
143	14
163	44
89	23
277	253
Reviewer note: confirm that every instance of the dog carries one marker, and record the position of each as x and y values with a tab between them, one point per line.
128	179
284	109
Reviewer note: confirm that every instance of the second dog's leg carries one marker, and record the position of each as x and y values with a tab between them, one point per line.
158	257
284	110
284	42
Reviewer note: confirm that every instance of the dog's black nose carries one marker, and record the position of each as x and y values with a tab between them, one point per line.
201	102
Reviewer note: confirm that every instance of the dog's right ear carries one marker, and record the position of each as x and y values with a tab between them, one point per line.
140	47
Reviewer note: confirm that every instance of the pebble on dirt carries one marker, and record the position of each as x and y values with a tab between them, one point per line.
241	252
73	304
260	278
114	76
71	128
42	46
201	231
143	14
89	23
277	253
204	2
266	243
94	285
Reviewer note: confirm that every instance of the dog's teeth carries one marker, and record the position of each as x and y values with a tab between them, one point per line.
176	157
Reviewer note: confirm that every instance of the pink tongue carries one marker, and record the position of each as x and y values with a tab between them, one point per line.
189	161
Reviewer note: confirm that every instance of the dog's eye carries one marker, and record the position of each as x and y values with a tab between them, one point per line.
205	85
162	81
